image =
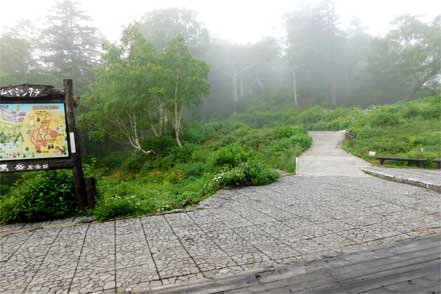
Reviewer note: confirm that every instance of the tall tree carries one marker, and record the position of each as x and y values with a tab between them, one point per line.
15	58
313	43
119	103
70	45
184	80
419	45
406	63
163	25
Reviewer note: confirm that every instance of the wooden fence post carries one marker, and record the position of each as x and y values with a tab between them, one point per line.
75	148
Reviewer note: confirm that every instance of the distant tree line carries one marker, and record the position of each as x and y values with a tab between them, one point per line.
316	63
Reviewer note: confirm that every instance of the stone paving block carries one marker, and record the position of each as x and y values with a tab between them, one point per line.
223	272
15	281
277	250
56	266
318	218
282	232
183	279
334	241
235	222
89	281
179	219
312	231
174	263
10	244
360	235
137	255
338	226
240	250
130	237
100	259
363	219
384	230
136	277
297	222
309	246
255	234
43	237
52	286
275	213
213	226
203	217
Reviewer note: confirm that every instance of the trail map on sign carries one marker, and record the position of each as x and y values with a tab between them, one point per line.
33	131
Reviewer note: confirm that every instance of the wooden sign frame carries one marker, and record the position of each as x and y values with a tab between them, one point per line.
25	94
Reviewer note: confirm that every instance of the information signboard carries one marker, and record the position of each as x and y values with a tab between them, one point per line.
38	132
33	131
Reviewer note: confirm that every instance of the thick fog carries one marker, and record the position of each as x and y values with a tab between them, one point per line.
238	21
258	52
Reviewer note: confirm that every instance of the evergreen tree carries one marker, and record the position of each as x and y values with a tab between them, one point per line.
70	46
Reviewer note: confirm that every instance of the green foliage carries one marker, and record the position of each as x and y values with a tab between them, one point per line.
246	173
120	207
408	129
383	119
134	162
230	156
38	196
227	154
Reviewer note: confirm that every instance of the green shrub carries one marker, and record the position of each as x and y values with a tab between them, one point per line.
194	169
246	173
230	156
182	153
39	196
134	162
383	119
118	207
160	146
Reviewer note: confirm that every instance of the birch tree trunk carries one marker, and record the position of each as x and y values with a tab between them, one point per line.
178	111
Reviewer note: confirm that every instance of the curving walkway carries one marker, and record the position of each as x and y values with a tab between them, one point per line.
298	219
326	158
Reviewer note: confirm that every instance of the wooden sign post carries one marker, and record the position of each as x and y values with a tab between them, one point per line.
75	148
38	132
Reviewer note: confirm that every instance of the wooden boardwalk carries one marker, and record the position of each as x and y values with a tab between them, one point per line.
411	266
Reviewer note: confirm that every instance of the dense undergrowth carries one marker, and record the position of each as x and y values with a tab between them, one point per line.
215	155
408	129
242	150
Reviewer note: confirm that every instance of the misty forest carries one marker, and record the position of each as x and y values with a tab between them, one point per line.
169	115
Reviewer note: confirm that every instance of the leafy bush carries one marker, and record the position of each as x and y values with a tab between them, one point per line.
39	196
407	129
230	156
134	162
383	119
119	207
246	173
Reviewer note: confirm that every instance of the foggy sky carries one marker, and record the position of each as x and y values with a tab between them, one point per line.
240	21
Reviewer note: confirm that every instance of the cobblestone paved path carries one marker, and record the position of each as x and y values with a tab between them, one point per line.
298	218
